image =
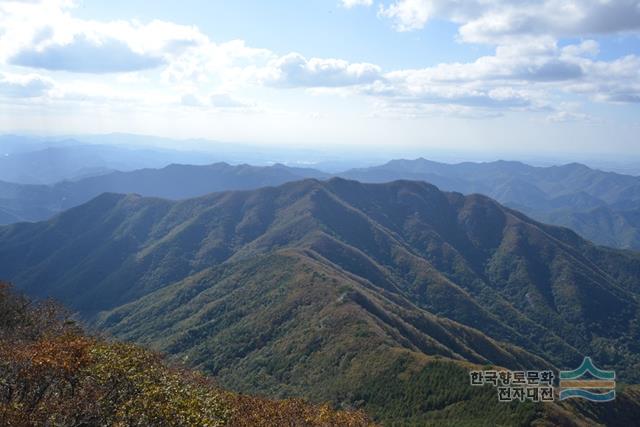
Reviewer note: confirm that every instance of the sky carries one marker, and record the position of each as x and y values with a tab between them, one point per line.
548	77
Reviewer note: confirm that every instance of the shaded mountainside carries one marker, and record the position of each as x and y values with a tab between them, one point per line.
318	288
602	206
611	227
23	202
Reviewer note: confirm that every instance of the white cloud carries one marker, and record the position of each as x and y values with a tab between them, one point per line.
192	100
408	15
83	55
24	86
615	81
411	110
218	101
352	3
587	47
531	62
230	63
495	21
225	100
568	117
44	35
294	70
507	80
408	88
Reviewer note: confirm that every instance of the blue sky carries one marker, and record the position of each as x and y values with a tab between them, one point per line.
319	28
536	76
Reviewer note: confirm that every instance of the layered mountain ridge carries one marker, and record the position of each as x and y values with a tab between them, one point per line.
602	206
466	258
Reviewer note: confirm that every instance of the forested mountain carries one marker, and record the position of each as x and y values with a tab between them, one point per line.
602	206
37	202
330	289
504	178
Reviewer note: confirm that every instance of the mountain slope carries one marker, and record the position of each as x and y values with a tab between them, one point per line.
602	206
22	202
467	258
609	226
488	178
320	288
314	328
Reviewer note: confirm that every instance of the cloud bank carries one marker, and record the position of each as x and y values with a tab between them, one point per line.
528	70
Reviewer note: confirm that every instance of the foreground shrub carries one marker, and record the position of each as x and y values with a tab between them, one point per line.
51	373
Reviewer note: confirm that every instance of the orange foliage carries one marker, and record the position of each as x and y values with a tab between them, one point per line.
251	411
53	374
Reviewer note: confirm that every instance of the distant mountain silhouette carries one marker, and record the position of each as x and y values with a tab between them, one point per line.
26	160
37	202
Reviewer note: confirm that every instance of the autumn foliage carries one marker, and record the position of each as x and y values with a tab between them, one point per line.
249	411
51	373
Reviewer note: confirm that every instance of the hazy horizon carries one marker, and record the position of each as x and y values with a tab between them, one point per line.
333	160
